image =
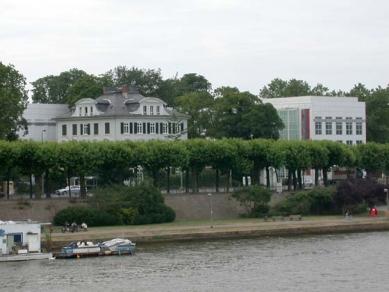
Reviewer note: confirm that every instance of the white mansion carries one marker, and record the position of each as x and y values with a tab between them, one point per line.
119	114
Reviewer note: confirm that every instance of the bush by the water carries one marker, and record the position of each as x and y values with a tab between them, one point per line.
132	205
120	205
92	216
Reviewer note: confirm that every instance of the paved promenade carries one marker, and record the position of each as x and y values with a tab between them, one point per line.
175	232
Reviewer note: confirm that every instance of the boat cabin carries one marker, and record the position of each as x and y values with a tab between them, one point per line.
19	237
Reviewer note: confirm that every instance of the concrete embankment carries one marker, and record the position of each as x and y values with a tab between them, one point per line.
144	235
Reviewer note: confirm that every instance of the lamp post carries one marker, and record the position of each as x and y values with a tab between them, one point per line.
387	202
43	174
210	194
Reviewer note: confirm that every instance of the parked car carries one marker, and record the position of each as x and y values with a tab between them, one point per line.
75	190
308	183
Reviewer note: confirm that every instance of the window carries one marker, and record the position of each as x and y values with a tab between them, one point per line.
318	129
145	110
74	129
328	126
339	127
152	128
64	130
164	128
107	128
158	110
126	128
151	110
80	111
96	128
86	111
358	142
349	126
91	110
349	142
359	126
87	129
139	128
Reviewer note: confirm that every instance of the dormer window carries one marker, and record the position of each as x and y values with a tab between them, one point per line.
86	111
145	110
151	110
158	110
80	111
91	110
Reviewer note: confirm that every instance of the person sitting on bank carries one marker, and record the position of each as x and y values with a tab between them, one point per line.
74	227
84	226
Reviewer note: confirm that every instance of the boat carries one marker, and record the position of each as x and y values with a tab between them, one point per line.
21	241
118	244
81	248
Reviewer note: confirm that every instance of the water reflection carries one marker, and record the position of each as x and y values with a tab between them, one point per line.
356	262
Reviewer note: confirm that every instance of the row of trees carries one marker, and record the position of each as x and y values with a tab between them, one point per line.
223	112
111	160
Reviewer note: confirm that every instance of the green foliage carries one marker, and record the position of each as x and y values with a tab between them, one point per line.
13	101
91	216
317	201
254	199
140	204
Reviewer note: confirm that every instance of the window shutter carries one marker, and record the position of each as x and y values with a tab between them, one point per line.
88	128
135	128
130	128
156	128
170	128
148	128
81	129
182	127
161	127
121	128
144	128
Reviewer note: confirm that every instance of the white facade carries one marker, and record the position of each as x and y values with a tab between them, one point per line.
24	235
341	119
41	121
119	115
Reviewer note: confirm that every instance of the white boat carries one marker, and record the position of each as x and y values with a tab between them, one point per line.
118	244
81	248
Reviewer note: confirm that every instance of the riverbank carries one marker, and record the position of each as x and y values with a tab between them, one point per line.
220	229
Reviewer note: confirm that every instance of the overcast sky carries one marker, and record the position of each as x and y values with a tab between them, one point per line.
242	43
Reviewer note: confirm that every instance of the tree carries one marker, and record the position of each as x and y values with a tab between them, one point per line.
254	199
241	115
13	101
147	81
192	82
54	89
377	118
89	86
197	105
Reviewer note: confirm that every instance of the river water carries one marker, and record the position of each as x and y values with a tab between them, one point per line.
339	262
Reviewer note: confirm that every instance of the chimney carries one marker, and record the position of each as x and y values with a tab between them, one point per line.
125	90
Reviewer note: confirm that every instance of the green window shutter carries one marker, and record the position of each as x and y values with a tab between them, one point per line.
170	128
131	131
182	127
81	129
122	128
64	130
148	128
88	129
156	128
144	128
96	128
161	127
107	130
135	128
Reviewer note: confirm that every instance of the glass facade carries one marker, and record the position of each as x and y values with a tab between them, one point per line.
291	120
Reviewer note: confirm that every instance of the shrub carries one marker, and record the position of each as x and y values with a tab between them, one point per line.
92	216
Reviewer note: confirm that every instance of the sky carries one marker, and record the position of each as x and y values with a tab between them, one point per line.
240	43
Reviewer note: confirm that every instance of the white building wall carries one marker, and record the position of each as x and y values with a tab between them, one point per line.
41	123
24	229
